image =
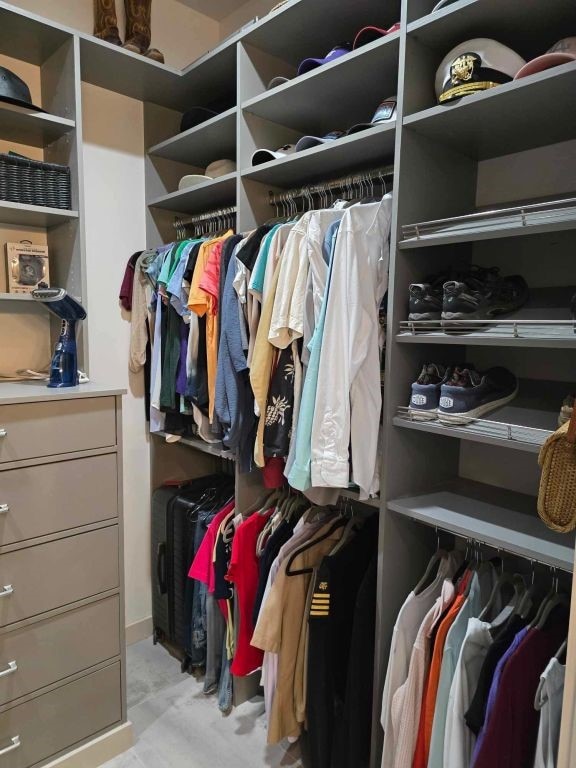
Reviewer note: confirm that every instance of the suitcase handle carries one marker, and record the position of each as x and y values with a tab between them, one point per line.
161	567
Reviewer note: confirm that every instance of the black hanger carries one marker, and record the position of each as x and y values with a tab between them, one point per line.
340	522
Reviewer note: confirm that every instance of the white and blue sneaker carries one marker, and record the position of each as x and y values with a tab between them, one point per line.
425	397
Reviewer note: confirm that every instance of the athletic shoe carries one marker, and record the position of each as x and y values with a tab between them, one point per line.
426	392
566	410
425	299
470	394
482	295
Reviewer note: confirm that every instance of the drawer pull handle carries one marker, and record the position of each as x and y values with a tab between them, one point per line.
15	744
4	509
3	432
12	667
7	591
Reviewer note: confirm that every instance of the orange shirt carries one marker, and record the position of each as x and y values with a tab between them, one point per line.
431	687
202	302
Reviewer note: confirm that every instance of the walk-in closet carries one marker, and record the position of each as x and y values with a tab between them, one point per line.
287	384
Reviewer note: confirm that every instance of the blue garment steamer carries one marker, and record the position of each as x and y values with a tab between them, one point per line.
64	365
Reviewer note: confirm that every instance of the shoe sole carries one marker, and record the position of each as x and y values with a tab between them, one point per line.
416	415
433	319
467	417
454	319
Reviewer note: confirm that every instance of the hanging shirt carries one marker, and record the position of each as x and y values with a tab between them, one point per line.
549	703
256	284
279	630
202	568
408	622
476	712
458	738
407	701
481	586
510	732
243	573
348	405
300	473
201	304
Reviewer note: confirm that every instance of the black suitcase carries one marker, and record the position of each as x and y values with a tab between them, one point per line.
173	529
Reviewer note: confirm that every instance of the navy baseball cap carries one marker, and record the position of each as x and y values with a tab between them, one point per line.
337	52
385	113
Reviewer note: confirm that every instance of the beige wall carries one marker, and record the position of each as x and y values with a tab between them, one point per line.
115	225
181	33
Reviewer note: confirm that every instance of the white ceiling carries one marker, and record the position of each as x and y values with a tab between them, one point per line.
216	9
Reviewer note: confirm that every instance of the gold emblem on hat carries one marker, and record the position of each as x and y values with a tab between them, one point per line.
462	68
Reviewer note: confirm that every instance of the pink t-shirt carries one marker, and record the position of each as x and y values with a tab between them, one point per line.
243	572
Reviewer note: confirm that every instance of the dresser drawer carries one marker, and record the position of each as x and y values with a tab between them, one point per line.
33	430
51	650
57	720
49	498
51	575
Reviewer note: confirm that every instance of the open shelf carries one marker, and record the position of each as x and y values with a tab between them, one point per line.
523	429
34	129
284	34
528	28
361	150
17	297
497	517
198	444
504	119
29	37
366	76
523	219
211	193
22	214
201	145
543	322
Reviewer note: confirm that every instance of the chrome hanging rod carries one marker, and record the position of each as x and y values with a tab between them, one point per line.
498	547
361	177
202	217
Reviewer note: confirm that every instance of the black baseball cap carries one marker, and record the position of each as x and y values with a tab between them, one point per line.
196	116
13	90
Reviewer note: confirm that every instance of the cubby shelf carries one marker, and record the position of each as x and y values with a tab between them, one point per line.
504	119
369	148
529	28
302	28
289	104
497	517
16	297
199	146
211	193
35	129
22	214
199	445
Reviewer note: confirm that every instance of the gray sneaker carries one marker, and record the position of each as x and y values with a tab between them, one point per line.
426	392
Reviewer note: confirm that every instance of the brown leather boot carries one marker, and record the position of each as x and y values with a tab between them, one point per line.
105	21
138	18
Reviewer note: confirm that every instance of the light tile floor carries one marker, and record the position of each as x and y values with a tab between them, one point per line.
176	726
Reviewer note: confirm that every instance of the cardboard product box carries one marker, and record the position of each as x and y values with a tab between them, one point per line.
27	266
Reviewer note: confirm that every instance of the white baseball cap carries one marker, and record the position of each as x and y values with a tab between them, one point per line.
561	52
213	171
474	66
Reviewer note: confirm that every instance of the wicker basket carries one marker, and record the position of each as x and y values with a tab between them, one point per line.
557	493
34	182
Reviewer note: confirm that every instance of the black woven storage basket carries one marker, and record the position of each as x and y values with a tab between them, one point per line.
34	182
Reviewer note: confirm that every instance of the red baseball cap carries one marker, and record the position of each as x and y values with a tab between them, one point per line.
561	52
369	34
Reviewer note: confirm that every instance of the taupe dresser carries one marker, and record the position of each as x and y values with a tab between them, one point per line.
61	571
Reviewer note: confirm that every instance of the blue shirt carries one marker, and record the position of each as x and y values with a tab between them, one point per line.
300	475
